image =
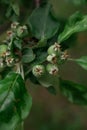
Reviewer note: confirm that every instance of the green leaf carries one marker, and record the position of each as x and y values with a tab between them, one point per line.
40	58
76	93
28	55
76	23
82	62
18	43
42	23
47	80
15	102
41	43
15	7
8	12
78	2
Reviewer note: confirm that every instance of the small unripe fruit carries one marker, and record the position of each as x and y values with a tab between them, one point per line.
51	50
52	58
52	69
38	70
1	65
10	34
22	31
9	61
14	25
3	49
54	49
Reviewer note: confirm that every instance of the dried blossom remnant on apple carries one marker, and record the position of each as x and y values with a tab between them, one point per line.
56	55
56	48
14	25
55	51
52	69
55	58
7	54
52	58
17	31
38	70
6	59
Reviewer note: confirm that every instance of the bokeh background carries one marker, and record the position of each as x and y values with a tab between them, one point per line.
51	112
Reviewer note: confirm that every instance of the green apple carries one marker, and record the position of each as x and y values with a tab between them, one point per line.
52	69
3	49
55	49
38	70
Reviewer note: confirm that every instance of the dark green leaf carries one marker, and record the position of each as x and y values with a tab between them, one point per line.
15	7
5	1
28	55
78	2
15	102
8	12
77	23
33	79
43	25
41	43
18	43
76	93
82	62
47	80
40	58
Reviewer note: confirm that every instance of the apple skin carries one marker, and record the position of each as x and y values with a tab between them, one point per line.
3	49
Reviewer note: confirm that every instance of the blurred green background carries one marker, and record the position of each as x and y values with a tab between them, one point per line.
51	112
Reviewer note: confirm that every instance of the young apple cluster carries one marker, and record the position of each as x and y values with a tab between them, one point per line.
55	58
7	54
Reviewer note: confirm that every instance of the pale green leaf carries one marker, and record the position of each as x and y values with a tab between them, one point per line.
77	23
82	62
